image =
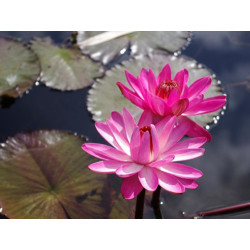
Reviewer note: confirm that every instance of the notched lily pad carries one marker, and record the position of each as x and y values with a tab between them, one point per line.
62	68
105	97
44	174
141	42
19	68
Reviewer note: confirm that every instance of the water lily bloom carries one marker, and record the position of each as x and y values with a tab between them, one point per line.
165	96
146	155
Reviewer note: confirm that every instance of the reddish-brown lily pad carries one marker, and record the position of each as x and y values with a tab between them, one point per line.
44	174
121	208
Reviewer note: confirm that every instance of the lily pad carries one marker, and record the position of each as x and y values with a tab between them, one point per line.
19	68
44	174
62	68
121	208
141	42
105	97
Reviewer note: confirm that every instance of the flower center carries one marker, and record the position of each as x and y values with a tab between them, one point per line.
165	88
145	129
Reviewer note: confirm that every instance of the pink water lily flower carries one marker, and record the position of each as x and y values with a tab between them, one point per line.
146	155
165	95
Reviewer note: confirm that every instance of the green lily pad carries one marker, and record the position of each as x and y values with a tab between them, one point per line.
105	97
19	68
64	69
141	42
44	174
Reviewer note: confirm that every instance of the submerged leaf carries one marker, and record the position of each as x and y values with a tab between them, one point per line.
105	97
19	68
44	174
64	69
141	42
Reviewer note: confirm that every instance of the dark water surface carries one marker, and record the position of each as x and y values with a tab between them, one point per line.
226	163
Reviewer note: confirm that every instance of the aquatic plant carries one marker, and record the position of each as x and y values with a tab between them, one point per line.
165	95
144	154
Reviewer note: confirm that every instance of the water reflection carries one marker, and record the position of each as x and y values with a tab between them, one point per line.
225	163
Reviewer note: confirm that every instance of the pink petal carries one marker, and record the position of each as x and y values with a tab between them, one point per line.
105	167
131	187
199	87
129	169
195	130
144	79
184	93
152	81
195	101
105	152
104	131
180	170
196	142
166	132
164	75
178	132
135	144
134	83
131	96
161	162
174	96
148	179
129	123
157	104
155	143
170	183
190	184
157	118
218	97
180	107
144	154
207	106
162	123
121	140
186	154
181	78
146	118
117	120
148	81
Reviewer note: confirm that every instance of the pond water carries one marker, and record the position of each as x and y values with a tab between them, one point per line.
225	165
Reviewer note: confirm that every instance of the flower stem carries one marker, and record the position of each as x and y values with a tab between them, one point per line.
140	205
155	203
226	210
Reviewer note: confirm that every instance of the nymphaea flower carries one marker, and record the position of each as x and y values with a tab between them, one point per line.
146	155
165	95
